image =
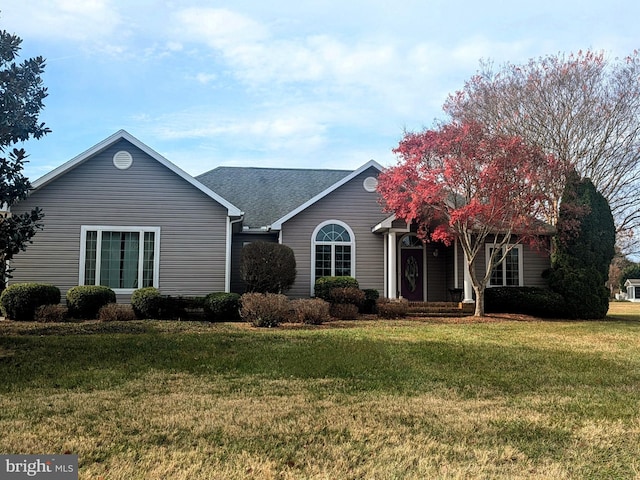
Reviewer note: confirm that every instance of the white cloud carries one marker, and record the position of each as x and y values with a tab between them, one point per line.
77	20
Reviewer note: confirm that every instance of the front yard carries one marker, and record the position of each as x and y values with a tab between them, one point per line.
363	399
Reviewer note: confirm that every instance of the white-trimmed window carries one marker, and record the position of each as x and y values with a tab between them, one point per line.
122	258
509	272
333	250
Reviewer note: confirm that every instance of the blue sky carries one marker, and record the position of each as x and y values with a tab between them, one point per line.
309	84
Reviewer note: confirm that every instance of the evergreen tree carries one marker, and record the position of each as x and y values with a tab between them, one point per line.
584	248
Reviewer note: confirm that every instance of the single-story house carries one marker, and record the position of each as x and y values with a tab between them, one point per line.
633	289
122	215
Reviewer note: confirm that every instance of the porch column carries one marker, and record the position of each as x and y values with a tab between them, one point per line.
392	270
468	286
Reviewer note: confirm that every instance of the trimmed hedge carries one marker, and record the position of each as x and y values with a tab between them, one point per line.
536	301
324	285
222	307
51	313
85	301
310	311
147	302
20	301
346	295
392	308
265	309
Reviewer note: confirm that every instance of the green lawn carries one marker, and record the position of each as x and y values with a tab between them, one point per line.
364	399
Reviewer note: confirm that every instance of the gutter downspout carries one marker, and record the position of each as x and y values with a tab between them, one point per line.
227	269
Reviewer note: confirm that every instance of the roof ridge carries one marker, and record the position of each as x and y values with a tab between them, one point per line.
289	169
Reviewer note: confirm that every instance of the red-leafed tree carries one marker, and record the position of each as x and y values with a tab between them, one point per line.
461	183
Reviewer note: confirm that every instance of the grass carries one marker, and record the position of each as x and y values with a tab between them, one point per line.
501	398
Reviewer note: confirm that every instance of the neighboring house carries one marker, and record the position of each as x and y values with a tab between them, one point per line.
633	289
122	215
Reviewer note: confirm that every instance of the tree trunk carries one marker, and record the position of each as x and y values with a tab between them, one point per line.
479	302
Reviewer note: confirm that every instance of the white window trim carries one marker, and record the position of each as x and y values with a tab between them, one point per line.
352	244
115	228
517	247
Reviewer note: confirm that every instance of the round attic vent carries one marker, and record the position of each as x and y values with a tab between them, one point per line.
122	160
370	184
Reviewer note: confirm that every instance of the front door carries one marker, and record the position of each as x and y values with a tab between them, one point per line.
412	274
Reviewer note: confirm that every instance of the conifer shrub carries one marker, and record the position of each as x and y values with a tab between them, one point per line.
264	309
20	301
85	301
222	307
310	311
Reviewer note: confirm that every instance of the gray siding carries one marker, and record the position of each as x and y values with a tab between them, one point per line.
534	264
356	207
193	226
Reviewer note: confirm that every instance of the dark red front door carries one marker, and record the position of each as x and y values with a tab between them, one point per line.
412	274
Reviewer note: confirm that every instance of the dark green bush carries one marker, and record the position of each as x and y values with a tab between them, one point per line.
264	309
51	313
582	290
147	302
20	301
267	267
85	301
324	285
396	308
536	301
370	298
222	307
310	311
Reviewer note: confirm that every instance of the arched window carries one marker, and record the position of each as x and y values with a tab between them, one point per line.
333	252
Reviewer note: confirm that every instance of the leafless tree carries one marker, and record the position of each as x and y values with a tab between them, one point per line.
583	108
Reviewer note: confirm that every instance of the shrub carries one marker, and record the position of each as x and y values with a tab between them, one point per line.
51	313
267	267
113	312
222	306
311	311
264	309
583	292
396	308
370	298
344	311
346	295
147	302
85	301
324	285
537	301
20	301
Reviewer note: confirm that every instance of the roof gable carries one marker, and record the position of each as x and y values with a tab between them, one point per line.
632	282
232	210
267	194
277	225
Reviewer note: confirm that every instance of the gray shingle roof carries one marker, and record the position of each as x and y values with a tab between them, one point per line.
267	194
